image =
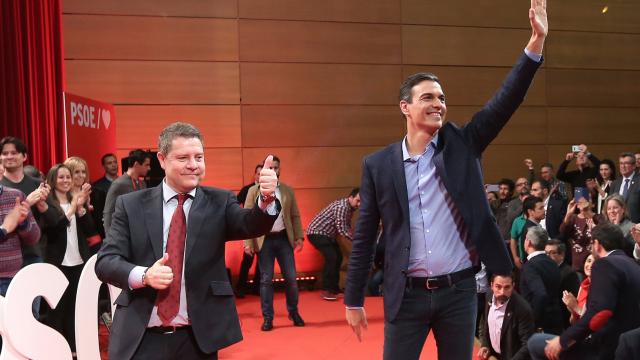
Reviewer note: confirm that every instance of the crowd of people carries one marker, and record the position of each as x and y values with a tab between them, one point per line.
574	240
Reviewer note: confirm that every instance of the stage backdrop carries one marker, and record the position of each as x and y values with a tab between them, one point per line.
91	131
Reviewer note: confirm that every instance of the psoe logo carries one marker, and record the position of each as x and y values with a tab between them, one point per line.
89	116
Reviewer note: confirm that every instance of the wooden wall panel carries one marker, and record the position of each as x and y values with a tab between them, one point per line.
476	85
501	161
587	50
587	15
599	88
270	41
190	8
268	83
150	38
154	82
315	167
139	126
527	126
496	13
463	45
376	11
312	125
571	125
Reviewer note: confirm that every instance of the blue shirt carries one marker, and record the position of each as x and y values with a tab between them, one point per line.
436	226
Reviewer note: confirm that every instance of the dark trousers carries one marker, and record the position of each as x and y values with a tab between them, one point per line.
330	250
245	266
450	312
180	345
277	247
62	318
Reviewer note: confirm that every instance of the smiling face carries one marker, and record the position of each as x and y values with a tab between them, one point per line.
615	211
427	109
79	175
588	263
11	158
63	180
184	164
605	171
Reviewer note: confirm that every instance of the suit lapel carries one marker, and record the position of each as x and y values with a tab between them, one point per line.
508	314
195	220
153	206
399	180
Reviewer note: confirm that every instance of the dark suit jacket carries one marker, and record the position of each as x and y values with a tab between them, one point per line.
632	197
383	193
54	225
517	327
629	346
540	286
556	210
120	186
612	304
135	238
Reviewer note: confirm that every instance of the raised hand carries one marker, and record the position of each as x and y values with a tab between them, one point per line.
528	163
16	215
539	25
570	156
159	276
268	179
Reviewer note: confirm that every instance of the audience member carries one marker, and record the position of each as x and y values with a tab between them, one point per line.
80	177
323	231
629	345
285	236
637	155
577	229
67	226
110	165
587	164
557	188
533	212
603	183
33	172
616	213
554	208
248	255
628	186
578	305
540	282
612	305
500	208
507	322
139	163
569	280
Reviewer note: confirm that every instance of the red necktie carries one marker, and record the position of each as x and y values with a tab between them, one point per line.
168	300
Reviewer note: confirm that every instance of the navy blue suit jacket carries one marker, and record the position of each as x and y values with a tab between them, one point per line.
383	192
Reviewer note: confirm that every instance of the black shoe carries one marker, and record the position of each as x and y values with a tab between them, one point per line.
297	320
267	325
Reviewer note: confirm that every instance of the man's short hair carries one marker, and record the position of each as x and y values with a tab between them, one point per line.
354	192
259	166
413	80
628	154
509	275
547	165
608	235
32	171
538	237
137	156
105	156
20	146
175	130
562	248
507	182
529	204
544	184
275	158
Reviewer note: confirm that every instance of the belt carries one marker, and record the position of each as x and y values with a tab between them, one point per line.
167	329
441	281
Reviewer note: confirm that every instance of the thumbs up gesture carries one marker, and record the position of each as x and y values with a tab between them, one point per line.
268	179
159	276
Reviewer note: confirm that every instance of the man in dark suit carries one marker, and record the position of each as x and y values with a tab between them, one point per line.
628	185
507	323
554	208
612	304
429	193
163	312
540	282
569	280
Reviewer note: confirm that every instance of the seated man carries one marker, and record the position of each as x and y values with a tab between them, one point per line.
612	305
507	323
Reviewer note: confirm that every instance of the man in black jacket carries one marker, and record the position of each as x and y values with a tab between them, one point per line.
540	282
507	323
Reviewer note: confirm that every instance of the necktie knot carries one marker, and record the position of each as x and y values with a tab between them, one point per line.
182	198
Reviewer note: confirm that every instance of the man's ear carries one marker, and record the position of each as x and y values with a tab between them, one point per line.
161	159
404	107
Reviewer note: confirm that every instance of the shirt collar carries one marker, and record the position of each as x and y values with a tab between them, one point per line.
493	303
168	193
405	151
535	253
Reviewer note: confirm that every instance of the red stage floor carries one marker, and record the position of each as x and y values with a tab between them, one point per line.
326	335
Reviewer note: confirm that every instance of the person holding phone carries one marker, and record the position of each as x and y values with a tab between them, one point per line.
587	167
577	225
